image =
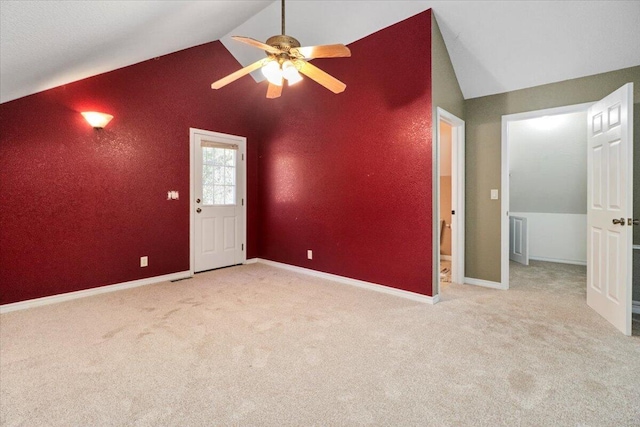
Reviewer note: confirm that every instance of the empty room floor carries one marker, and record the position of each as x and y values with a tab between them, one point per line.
260	346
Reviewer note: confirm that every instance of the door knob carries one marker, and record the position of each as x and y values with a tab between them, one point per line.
618	221
631	221
198	210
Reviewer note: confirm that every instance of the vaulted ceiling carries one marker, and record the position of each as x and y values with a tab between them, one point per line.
495	46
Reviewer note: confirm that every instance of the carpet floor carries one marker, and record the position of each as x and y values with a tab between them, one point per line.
255	345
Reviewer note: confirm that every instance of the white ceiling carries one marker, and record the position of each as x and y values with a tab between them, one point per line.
495	46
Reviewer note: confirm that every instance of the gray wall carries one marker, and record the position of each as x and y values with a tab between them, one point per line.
548	164
483	144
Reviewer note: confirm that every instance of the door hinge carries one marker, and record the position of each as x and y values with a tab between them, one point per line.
242	156
242	202
242	246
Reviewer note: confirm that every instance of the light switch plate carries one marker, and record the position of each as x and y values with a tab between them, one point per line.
494	194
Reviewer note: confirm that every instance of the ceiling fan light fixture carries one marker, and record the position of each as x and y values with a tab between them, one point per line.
290	72
273	73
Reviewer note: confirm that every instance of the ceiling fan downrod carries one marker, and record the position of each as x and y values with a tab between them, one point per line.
283	33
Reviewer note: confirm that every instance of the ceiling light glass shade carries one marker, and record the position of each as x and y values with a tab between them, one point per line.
290	72
273	73
97	120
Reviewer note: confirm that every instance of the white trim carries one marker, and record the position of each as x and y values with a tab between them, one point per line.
559	261
635	307
353	282
54	299
251	261
457	199
504	180
484	283
241	142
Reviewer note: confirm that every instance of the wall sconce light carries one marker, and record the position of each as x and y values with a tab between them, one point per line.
97	120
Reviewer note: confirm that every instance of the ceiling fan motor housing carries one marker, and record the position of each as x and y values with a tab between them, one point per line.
283	42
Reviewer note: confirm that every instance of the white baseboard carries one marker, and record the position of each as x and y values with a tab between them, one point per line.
445	257
635	307
484	283
54	299
251	261
559	261
354	282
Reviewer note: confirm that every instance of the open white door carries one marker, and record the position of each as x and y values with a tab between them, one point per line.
609	207
518	240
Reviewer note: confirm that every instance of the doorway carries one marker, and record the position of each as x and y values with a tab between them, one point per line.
217	200
609	167
448	200
552	203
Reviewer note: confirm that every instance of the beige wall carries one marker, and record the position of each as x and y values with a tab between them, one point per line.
483	163
445	92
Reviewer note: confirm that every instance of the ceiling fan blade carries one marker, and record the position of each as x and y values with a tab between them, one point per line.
325	79
241	72
324	51
256	43
274	91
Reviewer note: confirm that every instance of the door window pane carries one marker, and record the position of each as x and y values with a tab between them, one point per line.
218	176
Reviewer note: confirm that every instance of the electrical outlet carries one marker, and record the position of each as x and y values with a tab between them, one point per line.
144	261
309	254
494	194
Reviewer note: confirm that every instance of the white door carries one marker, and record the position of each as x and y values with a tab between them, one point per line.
518	240
609	212
219	205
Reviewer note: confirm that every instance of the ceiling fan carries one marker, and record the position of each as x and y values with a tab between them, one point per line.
285	60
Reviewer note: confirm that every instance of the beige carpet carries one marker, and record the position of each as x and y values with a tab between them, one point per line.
258	346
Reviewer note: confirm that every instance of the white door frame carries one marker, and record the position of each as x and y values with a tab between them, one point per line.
504	207
232	139
457	198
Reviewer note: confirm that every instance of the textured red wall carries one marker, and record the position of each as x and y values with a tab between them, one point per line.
350	176
79	207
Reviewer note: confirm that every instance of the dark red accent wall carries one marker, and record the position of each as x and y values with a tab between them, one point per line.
349	176
79	207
